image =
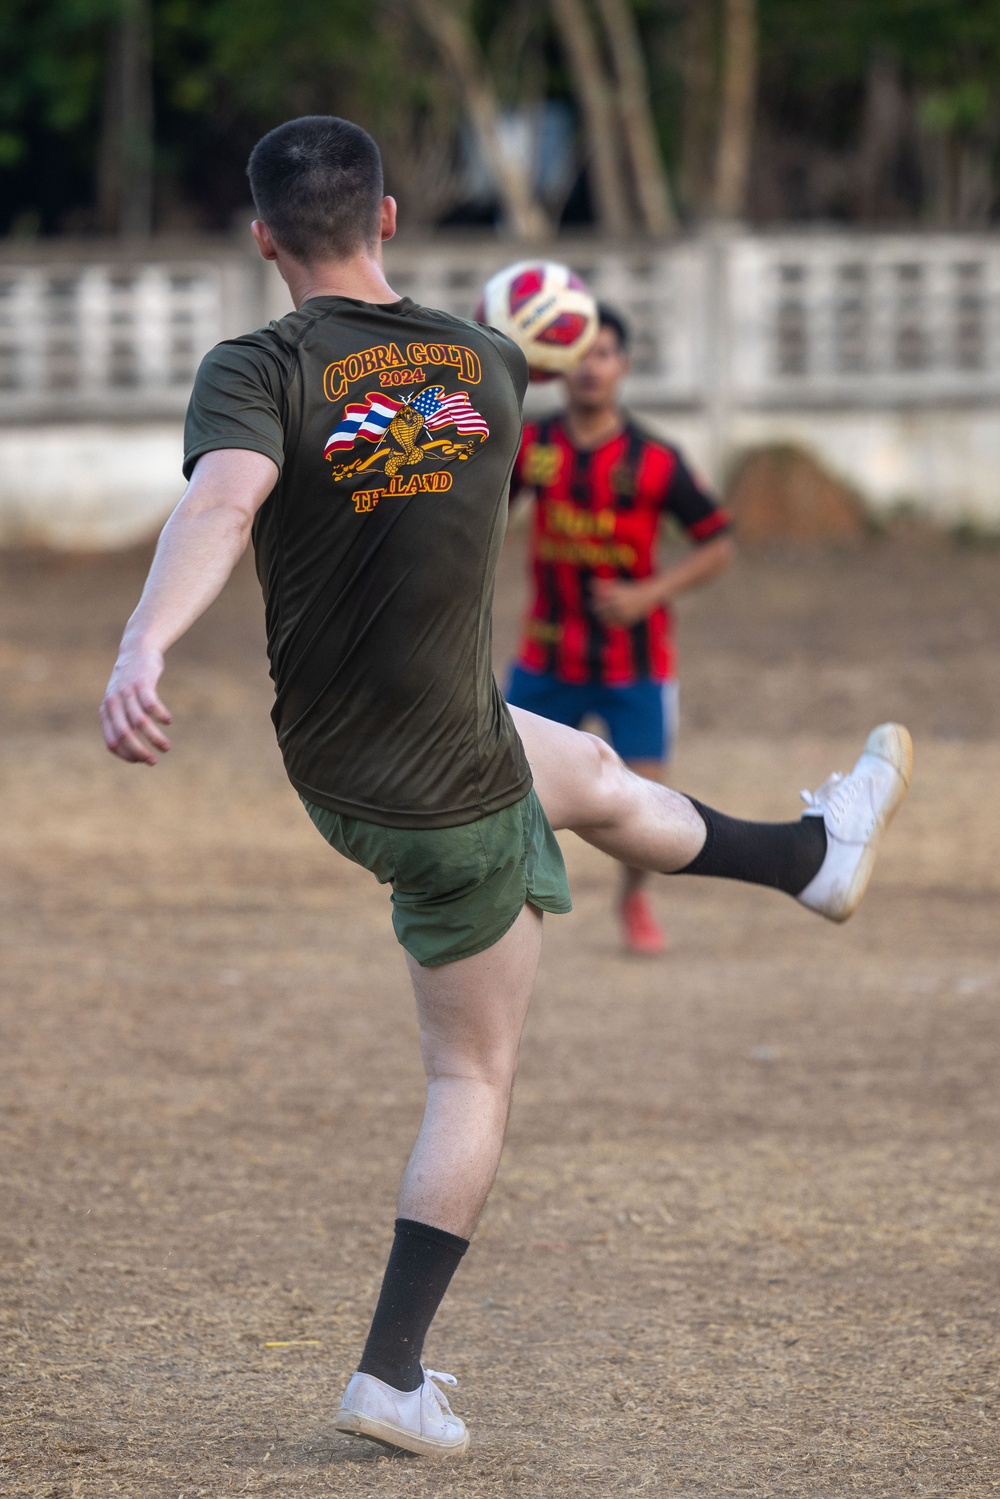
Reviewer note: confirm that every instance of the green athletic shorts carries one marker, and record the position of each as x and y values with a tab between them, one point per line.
455	891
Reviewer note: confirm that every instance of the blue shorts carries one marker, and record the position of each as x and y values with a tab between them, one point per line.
641	719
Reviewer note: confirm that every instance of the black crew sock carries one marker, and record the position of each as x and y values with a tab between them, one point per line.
421	1264
784	855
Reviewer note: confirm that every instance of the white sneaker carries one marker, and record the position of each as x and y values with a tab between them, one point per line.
856	809
419	1420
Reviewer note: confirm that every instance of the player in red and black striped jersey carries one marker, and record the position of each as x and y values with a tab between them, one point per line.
598	638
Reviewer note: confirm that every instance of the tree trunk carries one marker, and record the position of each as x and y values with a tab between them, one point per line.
594	95
125	160
416	135
739	94
652	188
974	186
699	111
883	129
458	46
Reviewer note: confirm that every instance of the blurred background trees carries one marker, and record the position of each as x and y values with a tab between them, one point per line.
124	116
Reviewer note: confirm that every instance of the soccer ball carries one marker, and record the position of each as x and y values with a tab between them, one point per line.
545	309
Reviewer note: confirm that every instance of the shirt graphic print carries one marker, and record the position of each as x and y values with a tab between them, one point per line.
404	433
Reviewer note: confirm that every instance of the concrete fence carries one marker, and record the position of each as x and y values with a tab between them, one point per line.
880	353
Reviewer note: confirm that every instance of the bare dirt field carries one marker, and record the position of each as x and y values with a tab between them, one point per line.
744	1240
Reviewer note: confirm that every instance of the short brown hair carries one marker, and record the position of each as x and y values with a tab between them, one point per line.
317	185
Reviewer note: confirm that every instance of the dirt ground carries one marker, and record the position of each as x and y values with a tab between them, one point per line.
744	1240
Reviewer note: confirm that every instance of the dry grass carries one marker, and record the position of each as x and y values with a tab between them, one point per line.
744	1238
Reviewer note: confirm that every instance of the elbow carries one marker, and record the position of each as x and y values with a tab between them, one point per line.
229	486
241	518
232	512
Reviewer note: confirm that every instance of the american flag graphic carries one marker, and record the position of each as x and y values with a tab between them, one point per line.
439	410
370	418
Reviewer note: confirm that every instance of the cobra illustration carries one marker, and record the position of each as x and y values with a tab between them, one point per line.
405	427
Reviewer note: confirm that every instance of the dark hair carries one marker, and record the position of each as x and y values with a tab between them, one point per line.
607	317
317	185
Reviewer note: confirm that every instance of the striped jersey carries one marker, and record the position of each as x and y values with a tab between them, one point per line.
597	514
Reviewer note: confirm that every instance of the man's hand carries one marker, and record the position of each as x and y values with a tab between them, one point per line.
617	602
131	713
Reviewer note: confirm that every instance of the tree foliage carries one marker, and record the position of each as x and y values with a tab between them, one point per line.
908	89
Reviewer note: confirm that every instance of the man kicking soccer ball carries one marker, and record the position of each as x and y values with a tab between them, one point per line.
598	636
366	444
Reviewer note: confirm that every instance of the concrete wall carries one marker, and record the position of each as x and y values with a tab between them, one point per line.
88	485
92	485
880	354
944	464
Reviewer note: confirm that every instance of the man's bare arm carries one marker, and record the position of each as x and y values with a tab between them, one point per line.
199	546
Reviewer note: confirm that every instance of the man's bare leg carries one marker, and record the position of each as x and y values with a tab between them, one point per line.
471	1016
585	786
824	859
633	879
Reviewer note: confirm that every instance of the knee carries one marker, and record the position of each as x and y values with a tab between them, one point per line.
606	781
483	1089
492	1066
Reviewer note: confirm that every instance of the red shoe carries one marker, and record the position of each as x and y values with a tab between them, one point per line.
641	931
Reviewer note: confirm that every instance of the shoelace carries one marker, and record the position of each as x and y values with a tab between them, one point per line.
439	1395
834	796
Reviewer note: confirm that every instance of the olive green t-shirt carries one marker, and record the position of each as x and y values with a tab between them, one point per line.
394	428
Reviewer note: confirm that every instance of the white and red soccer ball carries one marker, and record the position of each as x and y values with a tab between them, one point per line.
546	309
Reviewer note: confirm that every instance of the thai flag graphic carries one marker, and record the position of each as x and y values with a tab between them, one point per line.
369	419
439	410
